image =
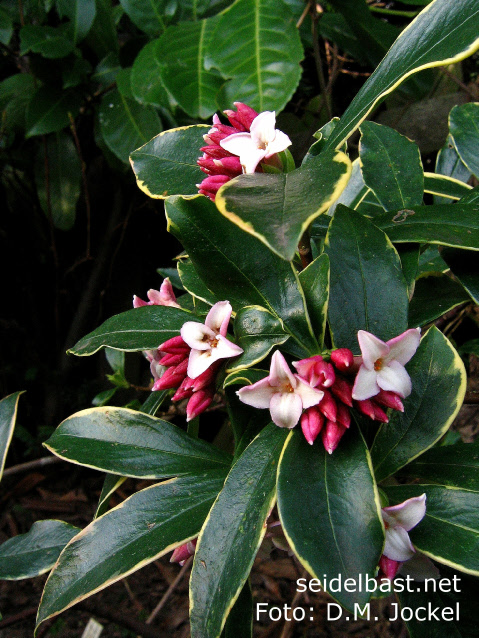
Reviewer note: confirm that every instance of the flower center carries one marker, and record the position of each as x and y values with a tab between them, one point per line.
214	342
378	365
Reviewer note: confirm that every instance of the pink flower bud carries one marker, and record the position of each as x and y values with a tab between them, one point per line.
244	114
328	406
211	185
138	303
172	359
175	345
215	151
343	359
311	423
343	391
331	435
343	415
173	377
205	379
183	552
305	367
198	403
322	375
389	400
183	392
229	166
367	408
388	566
379	414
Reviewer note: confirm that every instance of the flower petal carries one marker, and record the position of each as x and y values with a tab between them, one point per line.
197	335
409	513
309	396
398	545
281	141
242	145
199	361
365	385
225	349
257	395
279	372
263	128
285	408
372	348
218	317
394	378
403	347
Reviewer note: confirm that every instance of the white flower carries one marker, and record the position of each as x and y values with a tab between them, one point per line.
208	341
398	520
284	393
262	142
382	366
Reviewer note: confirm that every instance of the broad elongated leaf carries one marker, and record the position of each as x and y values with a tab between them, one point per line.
450	465
183	49
368	290
260	51
430	262
193	284
138	531
236	266
35	552
8	415
448	163
152	17
146	84
433	297
449	224
59	193
437	36
130	443
125	124
277	208
138	329
330	510
239	623
15	94
465	267
81	14
314	280
391	166
51	42
166	165
442	186
257	332
233	532
464	127
438	386
48	110
449	532
111	483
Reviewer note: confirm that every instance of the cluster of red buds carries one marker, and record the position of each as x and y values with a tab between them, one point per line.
183	552
219	164
200	391
332	416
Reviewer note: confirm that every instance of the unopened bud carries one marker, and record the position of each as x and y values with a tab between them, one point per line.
343	391
311	423
343	359
389	400
343	415
328	406
175	345
331	435
172	359
183	552
389	567
198	403
367	408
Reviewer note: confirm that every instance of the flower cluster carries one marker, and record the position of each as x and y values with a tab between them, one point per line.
322	392
189	362
239	148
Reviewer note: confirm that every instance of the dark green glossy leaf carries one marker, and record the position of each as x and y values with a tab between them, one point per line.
64	177
138	531
437	36
444	187
81	14
433	297
448	224
8	415
314	280
236	266
6	26
438	386
193	284
449	163
451	465
464	128
233	532
246	422
151	17
102	37
107	69
430	261
111	483
449	532
125	124
353	193
15	94
409	256
472	197
146	82
49	109
138	329
368	290
278	208
257	332
260	51
239	623
244	377
166	165
131	443
330	510
51	42
183	49
465	266
34	553
391	166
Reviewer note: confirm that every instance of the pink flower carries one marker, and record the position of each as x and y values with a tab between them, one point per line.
162	297
208	341
382	366
398	521
285	394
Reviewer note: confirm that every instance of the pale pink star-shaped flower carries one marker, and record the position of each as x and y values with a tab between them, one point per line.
398	521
